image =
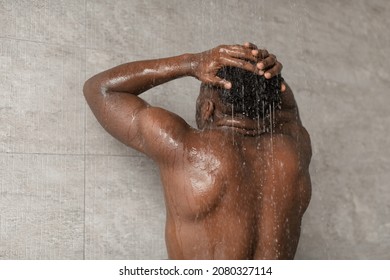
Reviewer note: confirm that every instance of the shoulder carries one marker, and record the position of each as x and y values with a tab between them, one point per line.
289	153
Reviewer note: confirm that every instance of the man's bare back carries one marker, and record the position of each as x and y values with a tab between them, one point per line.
232	191
237	197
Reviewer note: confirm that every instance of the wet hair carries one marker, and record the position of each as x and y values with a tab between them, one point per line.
251	95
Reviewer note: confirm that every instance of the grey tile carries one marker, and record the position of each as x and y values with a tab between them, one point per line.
137	26
346	218
51	21
41	206
125	213
330	41
42	107
172	27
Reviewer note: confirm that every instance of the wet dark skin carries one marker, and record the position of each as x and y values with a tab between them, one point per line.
232	190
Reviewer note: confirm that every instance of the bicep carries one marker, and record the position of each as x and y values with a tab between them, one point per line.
288	112
160	133
135	123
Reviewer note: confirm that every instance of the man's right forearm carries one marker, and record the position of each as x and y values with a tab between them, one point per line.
137	77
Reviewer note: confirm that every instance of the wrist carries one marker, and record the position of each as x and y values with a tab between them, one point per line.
192	62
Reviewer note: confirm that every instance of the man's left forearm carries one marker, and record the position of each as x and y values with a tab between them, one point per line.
139	76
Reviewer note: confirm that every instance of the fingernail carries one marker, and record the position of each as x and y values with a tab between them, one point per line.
261	73
255	52
260	65
228	85
267	75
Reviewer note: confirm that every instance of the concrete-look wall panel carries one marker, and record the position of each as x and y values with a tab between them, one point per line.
49	21
125	211
42	108
41	207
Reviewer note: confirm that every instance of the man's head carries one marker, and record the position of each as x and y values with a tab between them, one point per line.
251	96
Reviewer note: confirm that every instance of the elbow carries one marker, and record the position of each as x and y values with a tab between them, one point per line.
87	88
92	87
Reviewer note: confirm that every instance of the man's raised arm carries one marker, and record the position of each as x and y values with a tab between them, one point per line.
288	122
113	95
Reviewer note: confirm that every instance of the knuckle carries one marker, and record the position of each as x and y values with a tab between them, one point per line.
222	48
253	46
250	67
249	52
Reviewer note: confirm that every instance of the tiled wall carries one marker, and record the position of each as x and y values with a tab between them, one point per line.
68	190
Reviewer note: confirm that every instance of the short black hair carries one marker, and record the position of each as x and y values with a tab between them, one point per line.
251	95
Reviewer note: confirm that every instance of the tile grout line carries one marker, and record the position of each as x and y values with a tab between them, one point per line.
41	42
85	125
72	155
90	48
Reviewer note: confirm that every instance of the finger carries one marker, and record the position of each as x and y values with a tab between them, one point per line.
263	54
247	54
267	62
254	51
219	82
239	63
275	70
234	47
250	45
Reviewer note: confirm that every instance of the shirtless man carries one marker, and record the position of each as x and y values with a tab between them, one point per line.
233	189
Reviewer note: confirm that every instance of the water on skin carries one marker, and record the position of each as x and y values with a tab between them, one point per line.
232	120
269	129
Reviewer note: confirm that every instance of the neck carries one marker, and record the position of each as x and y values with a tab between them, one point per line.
242	125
